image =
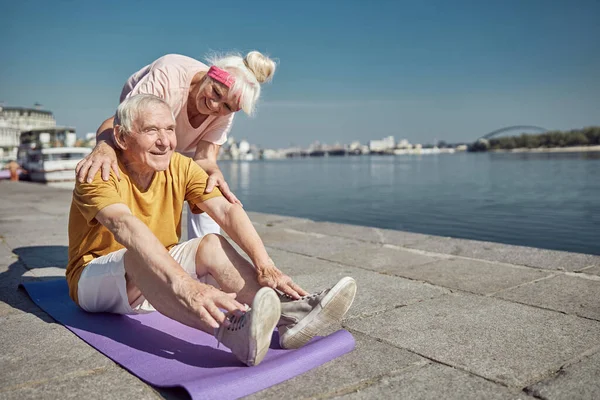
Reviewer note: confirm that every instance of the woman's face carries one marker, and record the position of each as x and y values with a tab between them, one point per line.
214	98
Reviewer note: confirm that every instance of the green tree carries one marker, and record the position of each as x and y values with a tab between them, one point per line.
576	137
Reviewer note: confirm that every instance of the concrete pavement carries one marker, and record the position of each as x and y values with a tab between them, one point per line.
434	317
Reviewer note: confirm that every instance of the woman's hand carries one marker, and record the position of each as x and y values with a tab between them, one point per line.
216	178
275	279
102	157
206	157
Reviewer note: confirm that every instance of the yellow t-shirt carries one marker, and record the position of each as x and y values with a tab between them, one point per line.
159	207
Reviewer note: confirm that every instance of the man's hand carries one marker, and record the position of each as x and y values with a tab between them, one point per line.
208	301
103	156
274	278
216	178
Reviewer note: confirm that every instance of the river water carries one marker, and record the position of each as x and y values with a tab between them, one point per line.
546	200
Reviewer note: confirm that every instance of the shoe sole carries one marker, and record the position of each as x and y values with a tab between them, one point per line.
332	309
266	311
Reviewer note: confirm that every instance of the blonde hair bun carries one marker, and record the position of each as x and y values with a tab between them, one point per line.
260	65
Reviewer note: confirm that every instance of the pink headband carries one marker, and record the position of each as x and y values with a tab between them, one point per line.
220	75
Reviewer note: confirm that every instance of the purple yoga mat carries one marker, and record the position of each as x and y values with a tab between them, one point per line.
165	353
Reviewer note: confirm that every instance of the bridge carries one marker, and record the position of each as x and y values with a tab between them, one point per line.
514	128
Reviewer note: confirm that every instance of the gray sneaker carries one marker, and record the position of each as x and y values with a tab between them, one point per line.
249	335
307	317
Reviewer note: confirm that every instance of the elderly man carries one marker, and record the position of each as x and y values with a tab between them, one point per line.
124	255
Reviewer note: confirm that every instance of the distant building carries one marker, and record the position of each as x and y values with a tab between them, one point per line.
9	142
233	150
26	119
404	144
384	144
90	139
13	121
269	154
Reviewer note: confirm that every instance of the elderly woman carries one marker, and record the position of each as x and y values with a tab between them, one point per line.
204	100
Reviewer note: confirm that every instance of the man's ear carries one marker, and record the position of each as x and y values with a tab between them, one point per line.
119	137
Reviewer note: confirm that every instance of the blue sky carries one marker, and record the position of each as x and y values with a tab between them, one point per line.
349	70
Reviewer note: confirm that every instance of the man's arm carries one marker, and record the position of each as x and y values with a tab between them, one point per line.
160	278
235	222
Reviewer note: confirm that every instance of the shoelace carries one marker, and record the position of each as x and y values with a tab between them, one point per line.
308	296
235	323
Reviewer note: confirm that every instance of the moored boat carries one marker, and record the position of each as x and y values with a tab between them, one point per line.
53	164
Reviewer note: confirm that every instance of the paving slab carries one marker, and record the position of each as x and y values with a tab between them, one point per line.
577	381
33	349
37	212
104	383
12	299
518	255
22	191
469	275
280	234
310	244
505	342
10	274
380	258
295	264
46	273
591	270
275	220
375	292
44	253
369	361
34	225
18	305
569	294
6	255
364	233
436	381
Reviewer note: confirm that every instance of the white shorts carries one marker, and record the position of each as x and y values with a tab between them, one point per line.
102	285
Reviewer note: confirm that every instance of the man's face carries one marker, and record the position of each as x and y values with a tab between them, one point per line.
152	141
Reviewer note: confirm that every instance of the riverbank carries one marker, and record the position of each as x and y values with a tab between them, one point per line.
572	149
434	317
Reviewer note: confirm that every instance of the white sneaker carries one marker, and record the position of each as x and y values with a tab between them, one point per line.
249	335
305	318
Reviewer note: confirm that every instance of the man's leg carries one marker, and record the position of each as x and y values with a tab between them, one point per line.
102	286
134	271
248	336
232	272
301	319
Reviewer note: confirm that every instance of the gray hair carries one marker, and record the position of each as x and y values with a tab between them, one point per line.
131	107
249	71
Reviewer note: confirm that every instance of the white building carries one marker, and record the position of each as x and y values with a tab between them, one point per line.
9	142
384	144
26	119
13	121
269	154
404	144
90	139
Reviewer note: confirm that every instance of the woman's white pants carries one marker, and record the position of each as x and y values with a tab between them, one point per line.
199	225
